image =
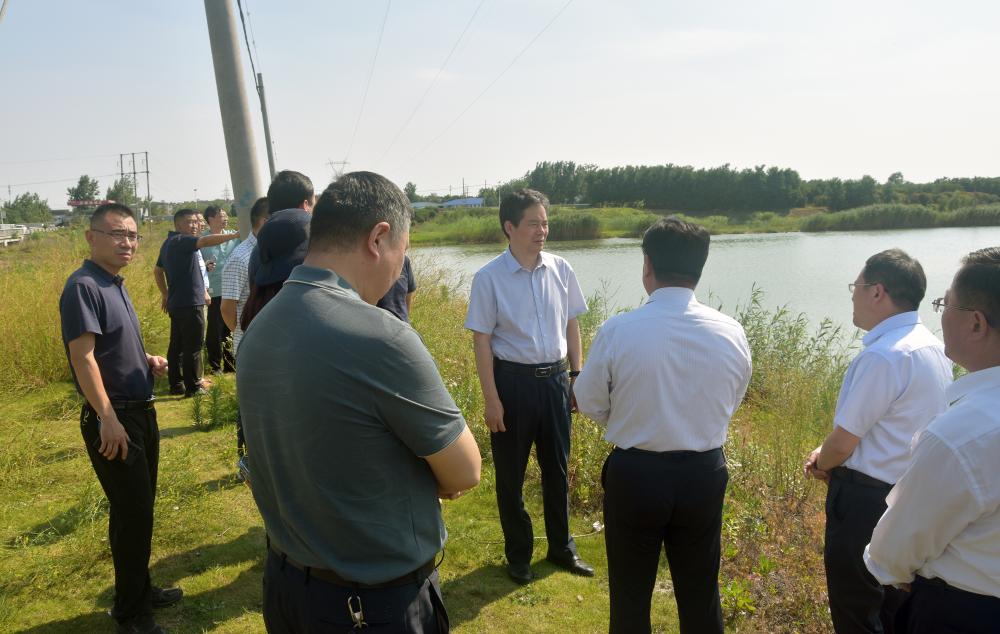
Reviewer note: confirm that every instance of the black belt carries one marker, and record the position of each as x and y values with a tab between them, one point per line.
417	576
851	475
126	406
539	371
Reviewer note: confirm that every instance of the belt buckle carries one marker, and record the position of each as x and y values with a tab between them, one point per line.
542	373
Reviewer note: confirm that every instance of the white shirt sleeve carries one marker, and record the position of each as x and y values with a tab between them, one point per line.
593	387
929	506
577	304
872	390
482	315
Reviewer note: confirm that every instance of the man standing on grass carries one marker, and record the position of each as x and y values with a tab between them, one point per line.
523	310
351	434
236	290
941	531
665	379
220	354
118	422
892	390
183	296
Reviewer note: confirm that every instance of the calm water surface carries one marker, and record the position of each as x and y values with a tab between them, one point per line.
807	273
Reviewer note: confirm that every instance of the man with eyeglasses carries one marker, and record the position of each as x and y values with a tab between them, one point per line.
115	375
182	287
941	533
892	390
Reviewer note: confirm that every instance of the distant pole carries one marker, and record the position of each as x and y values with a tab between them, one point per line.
135	177
267	125
149	199
241	148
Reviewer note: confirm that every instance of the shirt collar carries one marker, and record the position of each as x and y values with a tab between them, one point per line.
901	320
513	266
981	380
670	296
98	270
326	278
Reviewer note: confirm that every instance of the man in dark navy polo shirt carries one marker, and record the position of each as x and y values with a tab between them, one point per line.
115	375
182	286
400	296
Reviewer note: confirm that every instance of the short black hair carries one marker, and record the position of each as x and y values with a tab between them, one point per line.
677	250
180	213
288	190
901	276
261	209
514	204
977	284
211	211
106	209
353	204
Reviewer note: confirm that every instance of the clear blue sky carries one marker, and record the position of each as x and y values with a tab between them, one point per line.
829	88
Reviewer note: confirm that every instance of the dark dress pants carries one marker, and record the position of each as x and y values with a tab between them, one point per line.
858	602
536	412
672	501
220	355
934	607
131	490
187	337
295	603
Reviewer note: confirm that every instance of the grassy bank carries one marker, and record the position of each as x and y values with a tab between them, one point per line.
480	225
55	569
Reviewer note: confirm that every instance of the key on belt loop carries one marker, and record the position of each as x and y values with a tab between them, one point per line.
357	616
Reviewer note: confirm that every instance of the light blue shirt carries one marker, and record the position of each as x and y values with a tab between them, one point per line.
892	390
525	312
219	253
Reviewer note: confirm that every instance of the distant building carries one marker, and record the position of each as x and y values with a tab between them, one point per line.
464	202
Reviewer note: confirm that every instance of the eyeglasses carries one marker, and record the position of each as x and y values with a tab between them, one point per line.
939	306
854	285
121	236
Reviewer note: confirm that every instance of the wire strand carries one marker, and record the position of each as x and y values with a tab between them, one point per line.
492	83
368	84
430	86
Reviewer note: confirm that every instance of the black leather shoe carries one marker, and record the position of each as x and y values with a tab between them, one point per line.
166	597
521	573
574	565
176	390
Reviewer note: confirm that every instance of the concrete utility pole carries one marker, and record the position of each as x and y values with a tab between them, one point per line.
240	145
267	124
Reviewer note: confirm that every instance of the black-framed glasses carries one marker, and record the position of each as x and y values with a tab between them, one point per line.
854	285
121	236
939	306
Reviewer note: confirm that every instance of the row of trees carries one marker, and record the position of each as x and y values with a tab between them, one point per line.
29	207
725	189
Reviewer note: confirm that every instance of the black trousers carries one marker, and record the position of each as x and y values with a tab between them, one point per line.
131	490
536	412
220	354
858	602
672	501
295	603
934	607
187	337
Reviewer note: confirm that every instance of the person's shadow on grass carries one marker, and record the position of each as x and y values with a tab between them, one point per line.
466	595
196	612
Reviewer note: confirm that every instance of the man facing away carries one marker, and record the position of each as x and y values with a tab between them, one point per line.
665	379
220	355
351	434
891	390
183	296
118	422
523	310
941	531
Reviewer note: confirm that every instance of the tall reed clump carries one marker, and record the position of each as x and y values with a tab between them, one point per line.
574	226
32	276
981	216
873	217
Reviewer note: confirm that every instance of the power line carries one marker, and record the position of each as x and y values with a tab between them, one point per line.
491	84
53	160
371	73
58	180
430	86
253	37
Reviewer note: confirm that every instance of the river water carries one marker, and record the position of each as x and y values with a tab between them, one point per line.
804	272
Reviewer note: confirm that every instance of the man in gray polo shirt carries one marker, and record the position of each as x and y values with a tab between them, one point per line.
351	434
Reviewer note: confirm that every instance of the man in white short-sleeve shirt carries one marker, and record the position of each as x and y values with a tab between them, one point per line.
523	310
891	390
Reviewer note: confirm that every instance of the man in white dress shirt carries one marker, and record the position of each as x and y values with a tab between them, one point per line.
523	309
891	390
941	532
666	379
